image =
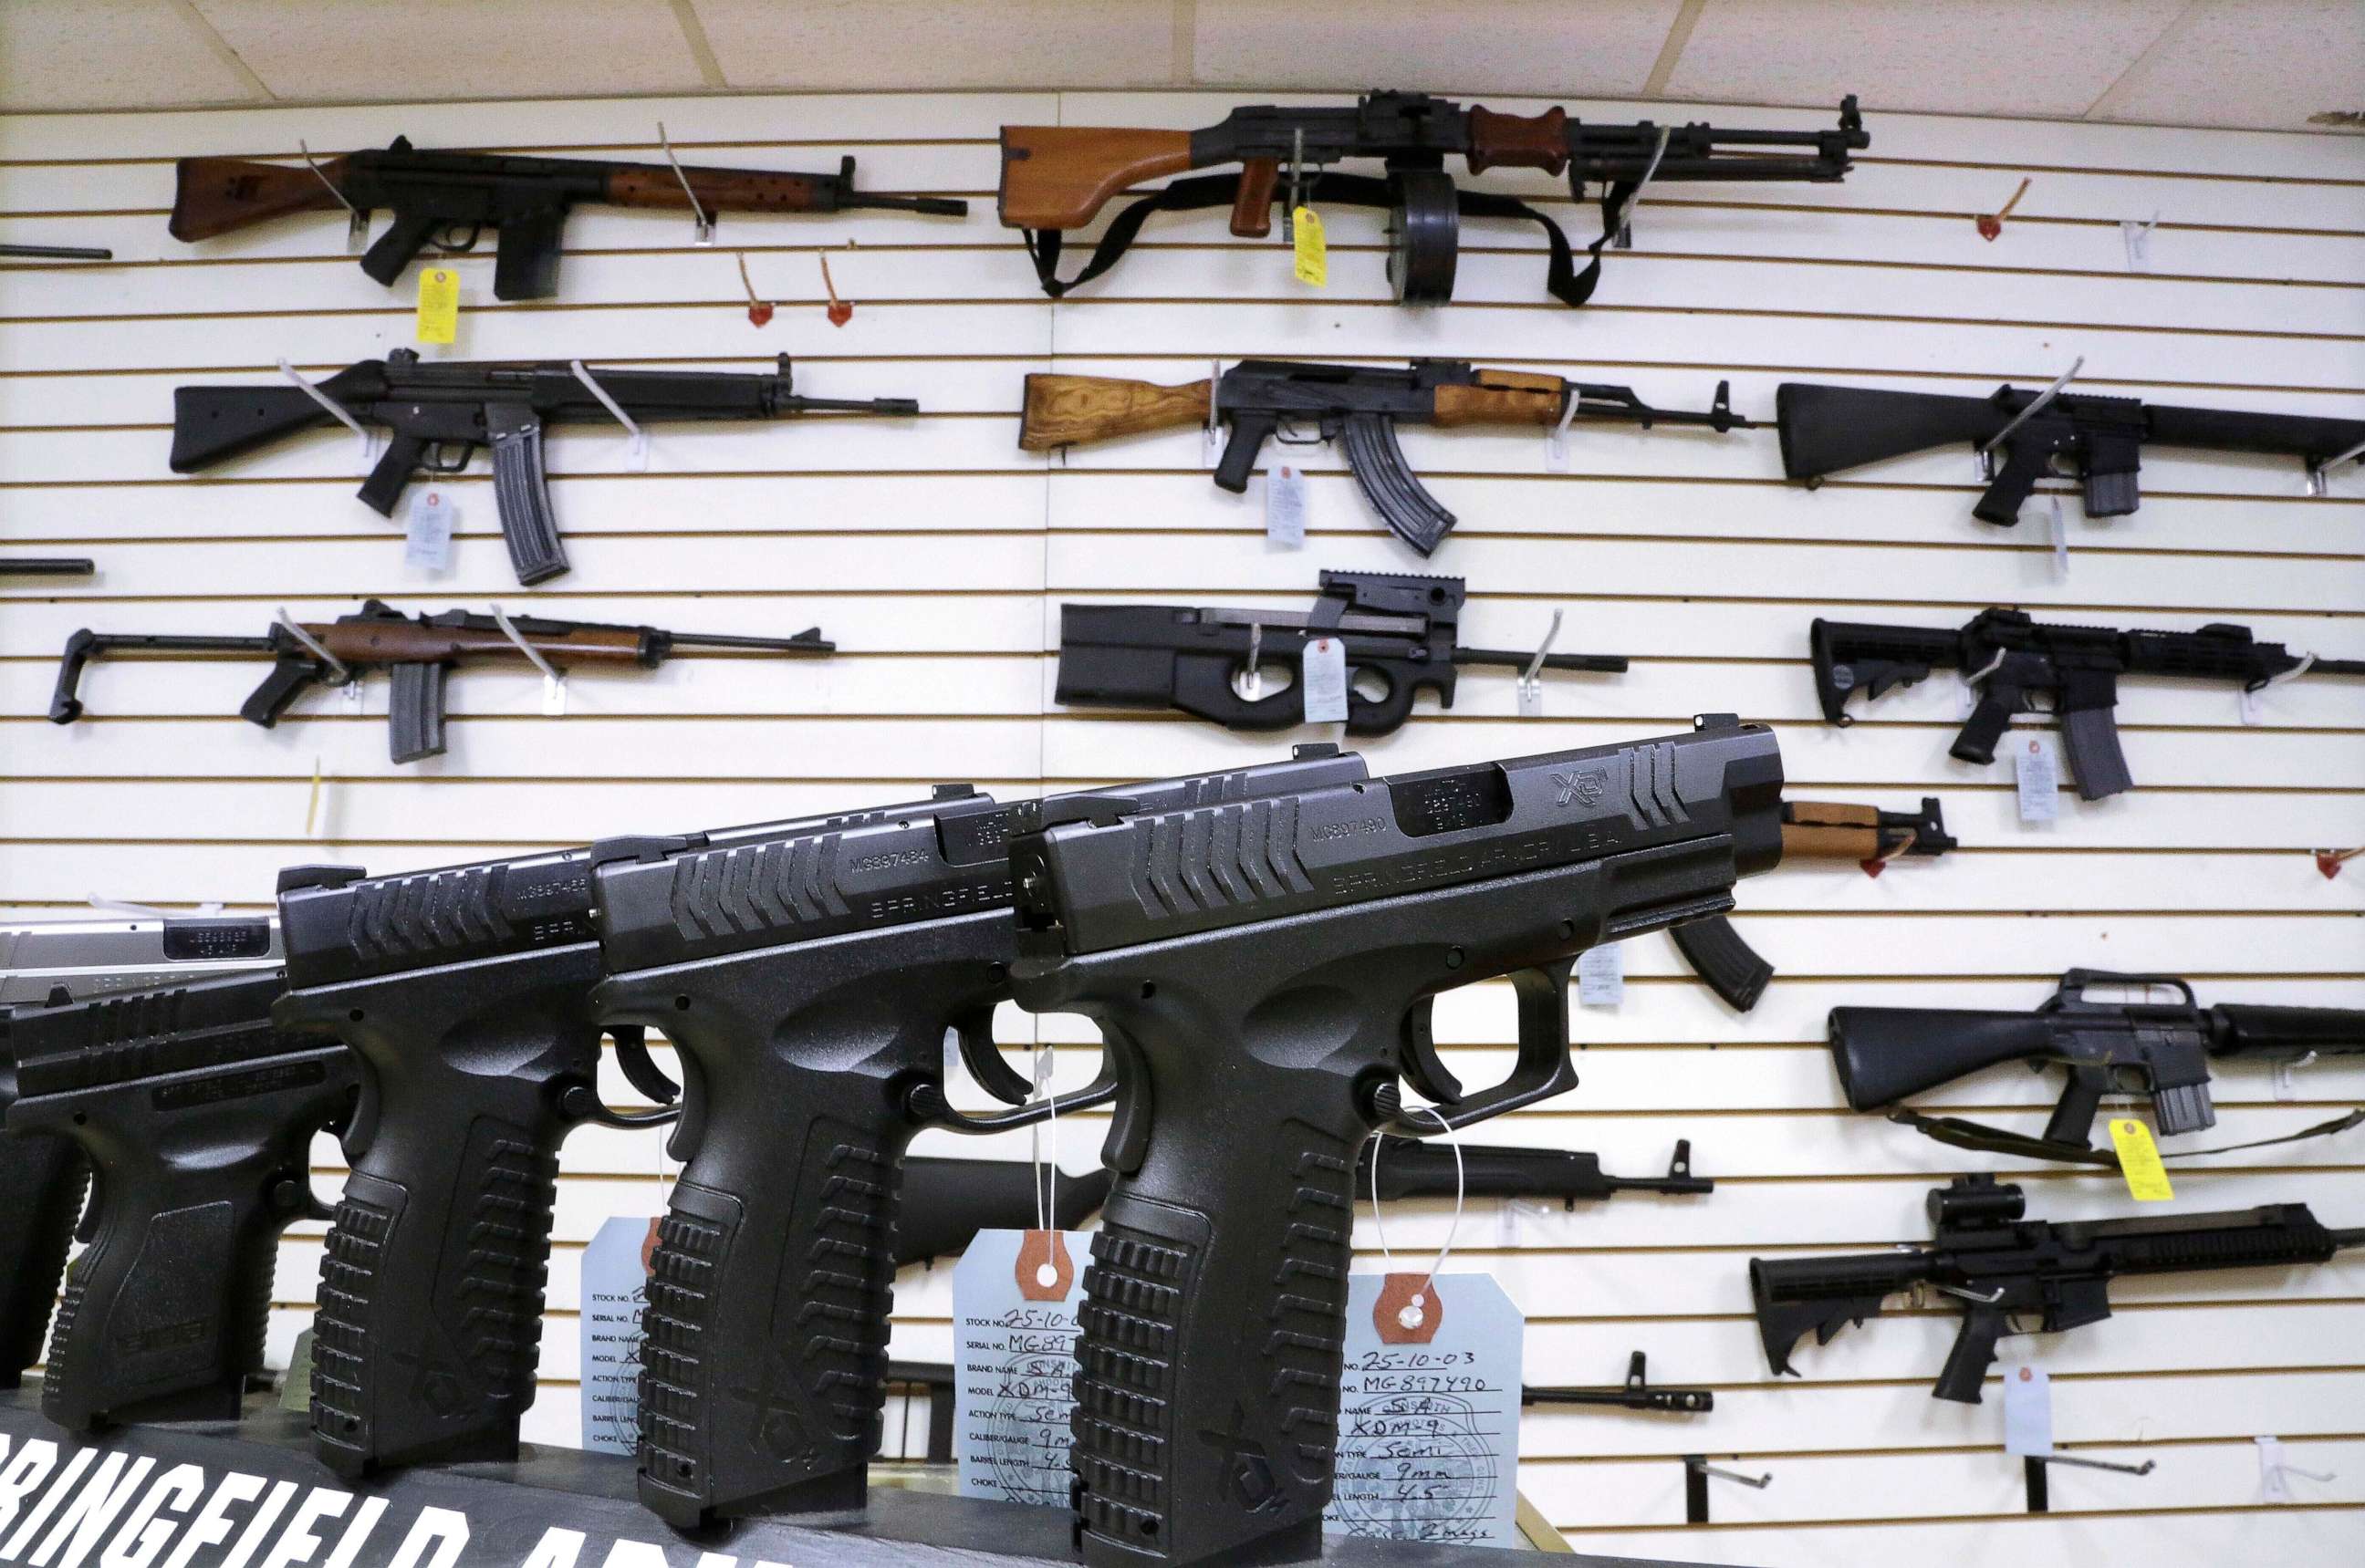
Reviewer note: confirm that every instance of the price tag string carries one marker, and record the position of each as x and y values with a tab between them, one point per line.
1410	1317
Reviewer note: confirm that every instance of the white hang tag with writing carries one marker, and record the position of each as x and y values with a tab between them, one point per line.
1285	507
1601	976
2037	773
1324	681
2028	1411
615	1288
1016	1298
427	530
1429	1411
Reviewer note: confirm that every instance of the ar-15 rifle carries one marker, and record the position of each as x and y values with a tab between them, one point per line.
2002	1267
1828	428
2012	660
2158	1049
1811	830
417	651
1262	973
1059	177
41	1179
450	198
197	1118
440	413
1399	629
808	974
1276	398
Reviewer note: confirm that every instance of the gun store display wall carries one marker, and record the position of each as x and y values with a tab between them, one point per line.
936	555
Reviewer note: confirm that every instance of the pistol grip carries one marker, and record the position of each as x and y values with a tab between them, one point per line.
398	246
1252	203
1250	433
1974	1351
2025	459
1976	742
44	1179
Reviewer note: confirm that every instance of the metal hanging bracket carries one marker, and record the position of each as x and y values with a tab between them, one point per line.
704	220
554	684
2319	475
1696	1471
637	452
336	410
2035	406
1622	235
2033	1470
1296	185
337	672
1214	439
1531	686
356	221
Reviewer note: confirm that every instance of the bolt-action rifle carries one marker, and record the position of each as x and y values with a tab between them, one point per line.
2006	1271
1059	177
451	199
1298	403
2157	1049
1262	972
197	1118
2012	660
1826	430
1399	629
416	651
440	413
1811	830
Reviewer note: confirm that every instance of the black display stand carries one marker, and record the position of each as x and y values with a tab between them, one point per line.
264	1466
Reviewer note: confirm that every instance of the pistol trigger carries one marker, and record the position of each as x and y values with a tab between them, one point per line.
690	1131
95	1210
641	1070
1421	1064
973	1030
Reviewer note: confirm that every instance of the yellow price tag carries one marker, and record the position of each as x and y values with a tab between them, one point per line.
439	305
1312	251
2139	1161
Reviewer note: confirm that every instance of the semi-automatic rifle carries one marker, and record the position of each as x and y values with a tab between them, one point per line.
1826	430
1262	972
2013	660
1811	830
2157	1049
1397	630
440	412
197	1117
1059	177
2005	1271
417	652
1298	403
449	199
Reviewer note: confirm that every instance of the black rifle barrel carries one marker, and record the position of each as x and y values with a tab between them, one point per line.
56	253
46	566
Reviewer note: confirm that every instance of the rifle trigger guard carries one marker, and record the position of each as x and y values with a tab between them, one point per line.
928	1103
437	458
974	1032
449	246
1542	1069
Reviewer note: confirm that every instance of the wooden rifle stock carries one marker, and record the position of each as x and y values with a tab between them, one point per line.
1503	398
1827	830
390	641
1064	410
1060	176
220	196
1518	141
719	190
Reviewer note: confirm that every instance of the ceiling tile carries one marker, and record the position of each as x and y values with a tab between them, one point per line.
1562	49
457	49
2265	63
942	43
75	54
1984	57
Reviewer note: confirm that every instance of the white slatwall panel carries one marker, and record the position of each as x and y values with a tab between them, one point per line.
936	553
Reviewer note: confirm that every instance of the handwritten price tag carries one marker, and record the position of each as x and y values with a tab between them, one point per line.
1013	1391
439	305
2139	1162
1313	252
615	1288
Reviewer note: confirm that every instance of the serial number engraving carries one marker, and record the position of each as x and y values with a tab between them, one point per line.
1349	830
239	1085
887	862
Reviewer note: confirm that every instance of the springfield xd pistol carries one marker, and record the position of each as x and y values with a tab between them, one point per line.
1263	971
449	199
1059	177
416	651
1811	830
466	994
2005	1269
49	962
2013	660
1398	629
439	412
1826	430
1301	404
2154	1049
809	973
197	1117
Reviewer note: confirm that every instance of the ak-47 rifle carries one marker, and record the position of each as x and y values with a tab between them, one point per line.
451	199
1059	177
417	651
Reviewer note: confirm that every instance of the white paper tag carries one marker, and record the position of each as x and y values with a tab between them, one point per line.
2028	1411
426	528
2060	541
1285	508
2138	242
2039	778
1601	976
615	1288
1324	681
1429	1432
1013	1393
